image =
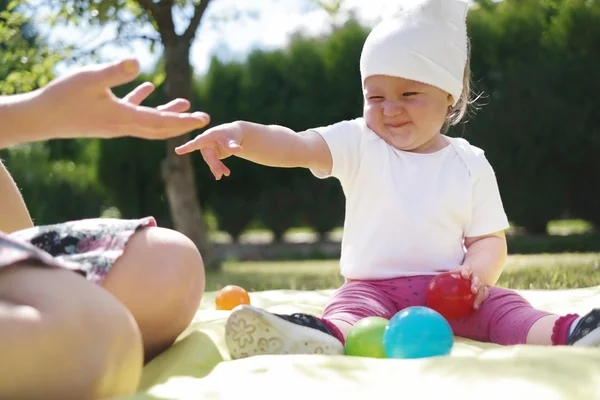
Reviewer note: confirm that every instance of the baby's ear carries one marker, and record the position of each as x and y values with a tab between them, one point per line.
450	100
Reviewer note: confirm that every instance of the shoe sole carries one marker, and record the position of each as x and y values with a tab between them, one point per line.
250	331
592	339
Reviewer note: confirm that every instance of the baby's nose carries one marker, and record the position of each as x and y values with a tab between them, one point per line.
391	108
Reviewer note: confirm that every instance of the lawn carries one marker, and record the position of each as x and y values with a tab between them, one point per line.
540	271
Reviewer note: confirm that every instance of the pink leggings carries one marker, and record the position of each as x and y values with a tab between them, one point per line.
504	318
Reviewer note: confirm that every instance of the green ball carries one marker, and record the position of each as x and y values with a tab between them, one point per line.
365	338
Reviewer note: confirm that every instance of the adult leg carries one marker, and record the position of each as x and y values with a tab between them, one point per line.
63	337
157	273
160	279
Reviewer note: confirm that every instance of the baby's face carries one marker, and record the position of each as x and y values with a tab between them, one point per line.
408	115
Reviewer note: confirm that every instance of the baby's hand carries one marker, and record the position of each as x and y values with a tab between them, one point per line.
216	144
477	286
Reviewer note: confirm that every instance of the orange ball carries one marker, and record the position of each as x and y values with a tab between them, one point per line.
230	297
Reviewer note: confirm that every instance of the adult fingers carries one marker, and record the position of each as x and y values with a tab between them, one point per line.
160	124
177	105
106	76
139	94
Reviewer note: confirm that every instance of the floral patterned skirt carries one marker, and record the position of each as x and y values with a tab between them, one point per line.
89	247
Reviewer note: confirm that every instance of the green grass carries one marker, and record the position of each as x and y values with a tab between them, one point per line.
532	271
271	275
540	271
568	227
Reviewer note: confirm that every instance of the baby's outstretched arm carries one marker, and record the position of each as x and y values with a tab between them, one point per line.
269	145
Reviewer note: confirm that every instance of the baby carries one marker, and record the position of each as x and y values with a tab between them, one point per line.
418	202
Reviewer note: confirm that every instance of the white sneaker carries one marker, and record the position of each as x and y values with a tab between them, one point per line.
250	331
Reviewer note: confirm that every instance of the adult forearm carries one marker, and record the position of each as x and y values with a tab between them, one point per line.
18	122
14	215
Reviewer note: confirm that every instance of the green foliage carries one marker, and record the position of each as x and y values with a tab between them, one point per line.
536	123
133	20
56	190
576	32
332	7
312	82
533	60
127	17
25	61
127	14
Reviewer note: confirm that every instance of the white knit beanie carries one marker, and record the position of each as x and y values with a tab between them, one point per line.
426	41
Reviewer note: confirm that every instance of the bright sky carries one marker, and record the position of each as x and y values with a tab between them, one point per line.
275	20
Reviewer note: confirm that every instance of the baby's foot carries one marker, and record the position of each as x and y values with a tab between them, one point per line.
587	330
250	331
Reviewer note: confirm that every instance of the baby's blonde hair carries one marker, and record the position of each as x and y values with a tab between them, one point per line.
458	112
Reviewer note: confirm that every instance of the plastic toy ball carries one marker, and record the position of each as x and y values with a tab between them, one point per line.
365	338
230	297
450	294
417	332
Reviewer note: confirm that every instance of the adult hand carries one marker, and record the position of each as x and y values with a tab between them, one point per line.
82	104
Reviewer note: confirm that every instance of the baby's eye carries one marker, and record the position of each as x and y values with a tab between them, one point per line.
375	98
408	94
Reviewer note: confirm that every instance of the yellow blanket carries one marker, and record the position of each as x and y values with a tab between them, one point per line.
198	365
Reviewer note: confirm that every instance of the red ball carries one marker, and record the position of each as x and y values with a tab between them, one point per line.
450	294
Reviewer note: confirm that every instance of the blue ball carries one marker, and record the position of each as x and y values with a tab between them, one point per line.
417	332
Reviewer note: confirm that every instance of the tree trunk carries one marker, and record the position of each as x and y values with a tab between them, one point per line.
177	171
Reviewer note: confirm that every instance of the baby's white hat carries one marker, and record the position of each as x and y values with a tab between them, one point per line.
426	41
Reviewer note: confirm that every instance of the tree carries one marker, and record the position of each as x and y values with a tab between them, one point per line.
132	19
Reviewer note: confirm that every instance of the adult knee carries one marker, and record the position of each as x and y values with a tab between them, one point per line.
160	279
179	269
